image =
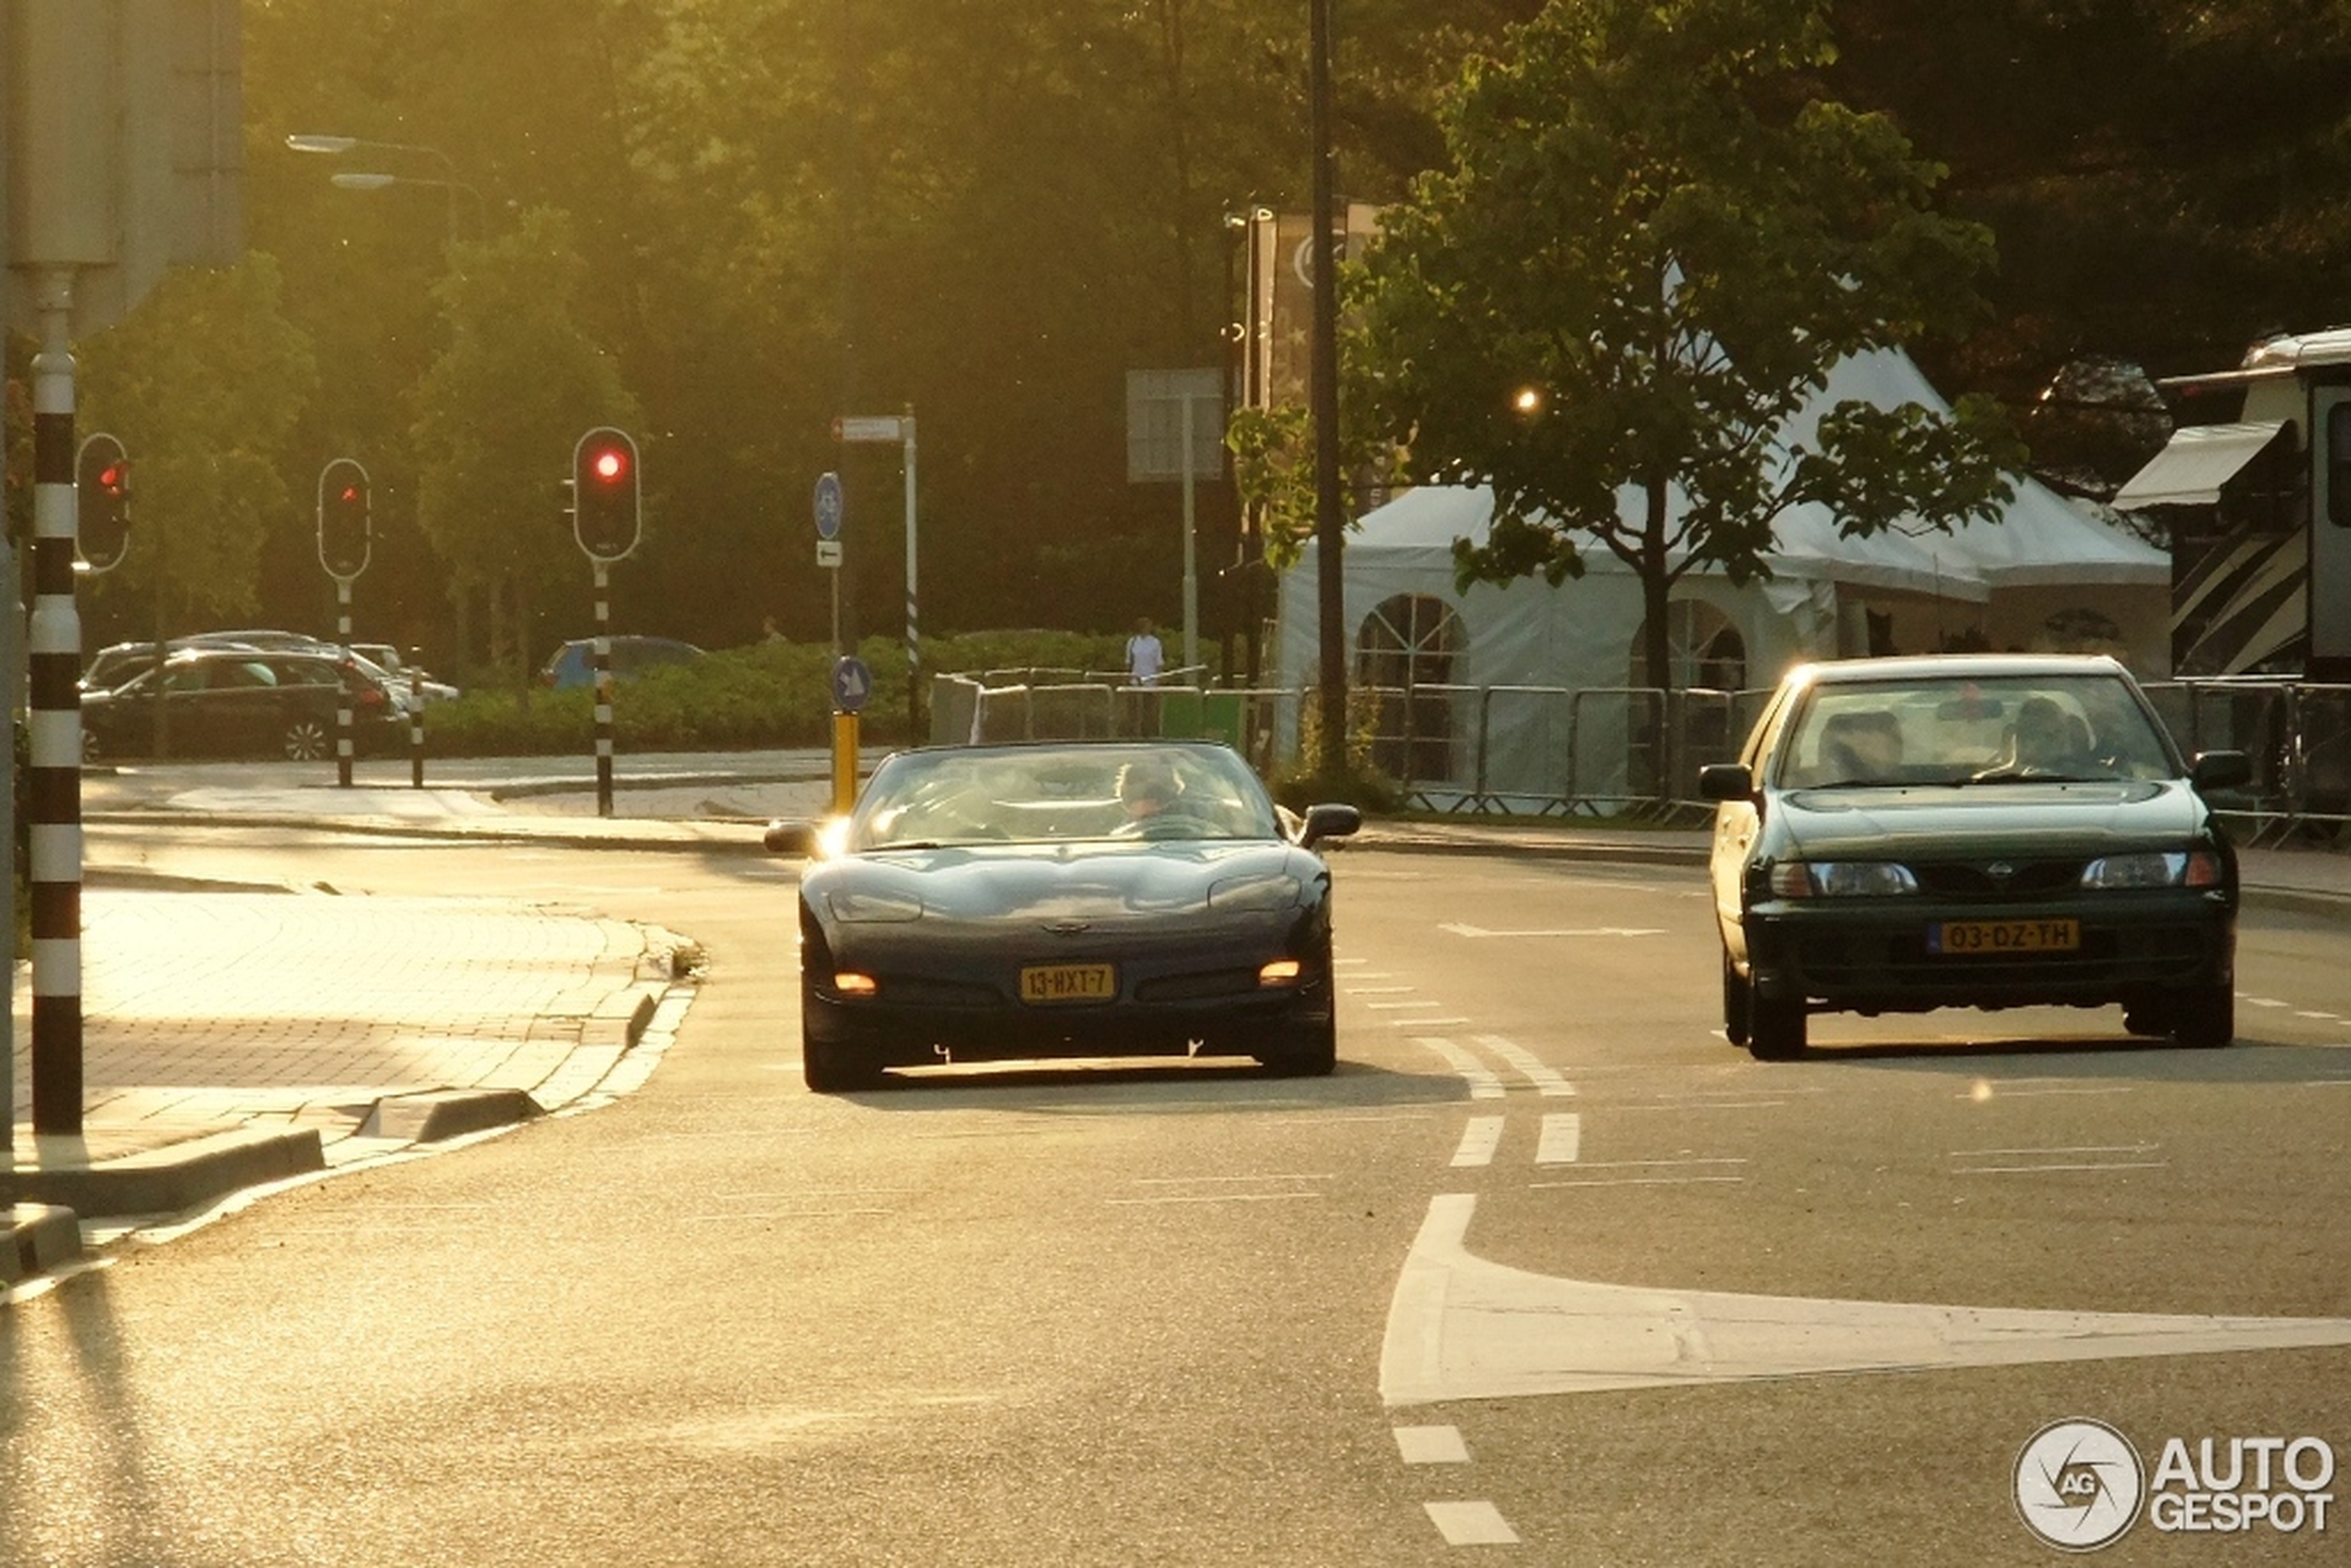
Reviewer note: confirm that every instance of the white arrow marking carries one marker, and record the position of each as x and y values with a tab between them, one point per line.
1461	929
1462	1328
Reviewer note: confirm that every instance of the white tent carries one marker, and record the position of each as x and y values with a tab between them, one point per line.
2047	575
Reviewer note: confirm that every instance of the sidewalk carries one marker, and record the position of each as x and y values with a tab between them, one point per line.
235	1038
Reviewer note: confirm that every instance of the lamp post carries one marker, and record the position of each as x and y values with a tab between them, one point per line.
336	146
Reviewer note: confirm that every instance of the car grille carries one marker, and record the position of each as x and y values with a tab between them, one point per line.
2012	880
1198	987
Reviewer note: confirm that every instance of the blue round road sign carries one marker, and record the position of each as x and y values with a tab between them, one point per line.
829	505
852	683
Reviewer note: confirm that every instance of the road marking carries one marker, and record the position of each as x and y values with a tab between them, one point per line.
1188	1181
2323	1017
1547	1080
1431	1444
1479	1139
1398	1006
1215	1198
1483	1083
1642	1181
1379	990
1460	1328
1470	1523
1563	1136
1422	1023
2062	1149
1983	1092
2097	1165
2265	1002
1461	929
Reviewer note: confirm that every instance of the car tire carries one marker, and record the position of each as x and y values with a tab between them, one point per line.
1775	1026
2205	1017
1308	1052
305	740
1737	1005
830	1067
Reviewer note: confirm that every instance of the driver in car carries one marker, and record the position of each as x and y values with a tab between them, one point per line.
1155	803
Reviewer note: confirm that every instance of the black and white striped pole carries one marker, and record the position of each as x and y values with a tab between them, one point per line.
606	520
346	532
53	780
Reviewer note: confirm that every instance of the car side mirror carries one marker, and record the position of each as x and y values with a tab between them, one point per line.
791	836
2221	770
1724	781
1328	821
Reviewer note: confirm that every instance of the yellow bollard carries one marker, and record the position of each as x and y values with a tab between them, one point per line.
844	762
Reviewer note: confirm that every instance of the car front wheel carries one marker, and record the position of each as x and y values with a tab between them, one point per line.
2205	1018
1775	1026
305	740
1309	1051
1736	1004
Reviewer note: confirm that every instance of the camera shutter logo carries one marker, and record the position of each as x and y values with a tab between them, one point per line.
2078	1485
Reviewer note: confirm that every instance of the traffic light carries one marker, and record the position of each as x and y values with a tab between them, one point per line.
604	494
102	477
346	532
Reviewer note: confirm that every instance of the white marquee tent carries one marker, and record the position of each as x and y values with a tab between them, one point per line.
2047	575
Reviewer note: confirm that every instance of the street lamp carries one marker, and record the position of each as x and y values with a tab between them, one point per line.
355	179
336	146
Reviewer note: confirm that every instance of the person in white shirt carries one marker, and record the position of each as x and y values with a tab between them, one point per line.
1144	656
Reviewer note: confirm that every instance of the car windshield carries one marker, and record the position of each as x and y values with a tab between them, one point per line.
1984	730
1060	795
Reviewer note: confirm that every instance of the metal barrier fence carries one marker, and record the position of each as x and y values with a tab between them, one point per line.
1617	751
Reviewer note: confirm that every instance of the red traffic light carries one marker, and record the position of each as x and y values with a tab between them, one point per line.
610	465
110	479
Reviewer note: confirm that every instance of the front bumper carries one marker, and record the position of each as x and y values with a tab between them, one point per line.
1867	955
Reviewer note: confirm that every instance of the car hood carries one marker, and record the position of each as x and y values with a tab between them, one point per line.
1099	882
2005	818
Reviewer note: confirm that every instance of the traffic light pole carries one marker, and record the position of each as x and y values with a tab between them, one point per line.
602	668
53	779
343	702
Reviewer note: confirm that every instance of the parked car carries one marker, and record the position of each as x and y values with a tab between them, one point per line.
244	702
1975	830
1068	899
386	657
570	664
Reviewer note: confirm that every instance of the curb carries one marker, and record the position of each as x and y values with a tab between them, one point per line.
41	1239
175	1177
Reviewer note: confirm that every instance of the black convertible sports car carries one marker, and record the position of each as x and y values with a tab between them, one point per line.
1060	900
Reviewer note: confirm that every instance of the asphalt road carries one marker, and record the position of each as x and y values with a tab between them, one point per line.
1538	1276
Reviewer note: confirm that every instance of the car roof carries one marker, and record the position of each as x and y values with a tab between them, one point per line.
1955	667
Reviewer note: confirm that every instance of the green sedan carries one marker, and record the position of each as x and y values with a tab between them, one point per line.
1970	831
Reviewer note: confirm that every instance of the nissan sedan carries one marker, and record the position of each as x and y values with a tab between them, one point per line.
1964	830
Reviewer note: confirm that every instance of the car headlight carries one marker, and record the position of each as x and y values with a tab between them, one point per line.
2153	868
1841	879
1255	892
856	908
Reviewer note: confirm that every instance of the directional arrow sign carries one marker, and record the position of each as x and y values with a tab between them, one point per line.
829	505
852	683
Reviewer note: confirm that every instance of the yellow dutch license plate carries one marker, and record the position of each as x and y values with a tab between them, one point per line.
1068	982
1991	939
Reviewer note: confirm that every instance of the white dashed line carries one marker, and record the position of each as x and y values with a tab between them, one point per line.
1431	1444
1562	1138
1483	1083
2026	1170
1547	1080
1643	1181
1479	1139
1424	1023
2265	1002
1380	991
1470	1523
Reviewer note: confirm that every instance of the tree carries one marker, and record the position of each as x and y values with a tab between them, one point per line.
204	383
1650	243
498	413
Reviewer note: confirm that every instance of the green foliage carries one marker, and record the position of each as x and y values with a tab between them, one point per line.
1647	248
203	383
